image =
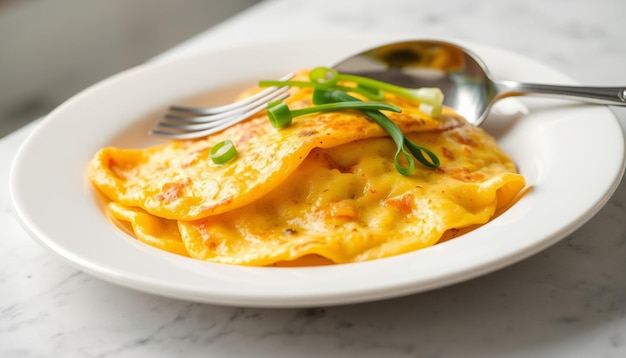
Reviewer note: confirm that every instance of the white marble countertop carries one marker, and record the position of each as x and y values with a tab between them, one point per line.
567	301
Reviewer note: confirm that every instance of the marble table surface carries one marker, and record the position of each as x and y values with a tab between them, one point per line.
567	301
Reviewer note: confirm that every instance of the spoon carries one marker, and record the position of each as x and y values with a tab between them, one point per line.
463	78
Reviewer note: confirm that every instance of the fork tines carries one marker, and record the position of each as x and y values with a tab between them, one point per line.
191	122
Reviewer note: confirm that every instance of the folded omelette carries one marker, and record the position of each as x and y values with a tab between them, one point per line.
322	190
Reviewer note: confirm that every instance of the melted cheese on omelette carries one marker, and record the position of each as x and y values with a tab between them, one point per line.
176	181
324	187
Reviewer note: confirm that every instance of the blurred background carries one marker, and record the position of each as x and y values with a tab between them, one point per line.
52	49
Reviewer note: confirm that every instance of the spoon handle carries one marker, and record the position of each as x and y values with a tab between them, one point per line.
601	95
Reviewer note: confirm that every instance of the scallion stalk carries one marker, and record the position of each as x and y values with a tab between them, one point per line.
363	91
422	154
431	96
281	116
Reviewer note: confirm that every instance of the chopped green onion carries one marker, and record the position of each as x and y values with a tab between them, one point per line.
324	76
281	116
223	152
430	110
430	95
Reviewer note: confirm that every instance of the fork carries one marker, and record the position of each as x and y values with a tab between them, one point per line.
182	122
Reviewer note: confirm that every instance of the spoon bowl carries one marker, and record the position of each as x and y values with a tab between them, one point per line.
463	77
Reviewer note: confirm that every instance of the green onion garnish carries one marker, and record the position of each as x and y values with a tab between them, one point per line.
223	152
324	76
322	96
418	152
328	95
281	116
374	91
363	91
430	98
426	95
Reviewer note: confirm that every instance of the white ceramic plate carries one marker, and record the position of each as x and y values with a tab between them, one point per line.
571	154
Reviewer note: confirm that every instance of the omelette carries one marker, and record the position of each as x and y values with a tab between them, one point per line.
323	190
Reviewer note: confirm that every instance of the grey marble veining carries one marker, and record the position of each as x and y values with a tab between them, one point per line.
567	301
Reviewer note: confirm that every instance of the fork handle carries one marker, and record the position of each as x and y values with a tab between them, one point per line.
600	95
